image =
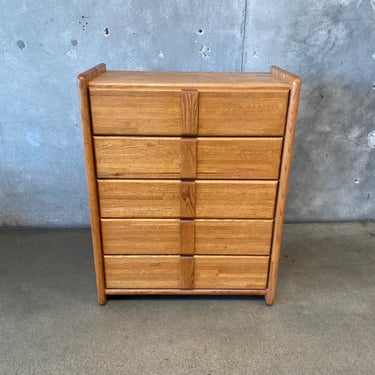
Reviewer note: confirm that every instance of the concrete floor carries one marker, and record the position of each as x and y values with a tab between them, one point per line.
323	321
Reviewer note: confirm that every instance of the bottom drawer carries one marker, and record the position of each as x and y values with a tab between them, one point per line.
237	272
142	271
162	272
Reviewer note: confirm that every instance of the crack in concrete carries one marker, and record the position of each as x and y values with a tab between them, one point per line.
243	33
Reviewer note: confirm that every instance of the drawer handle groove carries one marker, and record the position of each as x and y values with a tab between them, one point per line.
189	112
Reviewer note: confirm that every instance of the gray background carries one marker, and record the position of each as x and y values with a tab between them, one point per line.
45	44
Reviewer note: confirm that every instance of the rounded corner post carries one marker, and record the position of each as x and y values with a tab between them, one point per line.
84	101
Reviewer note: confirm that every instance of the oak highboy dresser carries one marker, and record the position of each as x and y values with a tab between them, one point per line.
187	177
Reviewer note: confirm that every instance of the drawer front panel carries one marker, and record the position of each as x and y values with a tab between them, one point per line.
217	158
216	237
161	199
236	237
137	157
237	113
252	113
235	199
135	198
141	236
141	272
230	272
135	112
239	158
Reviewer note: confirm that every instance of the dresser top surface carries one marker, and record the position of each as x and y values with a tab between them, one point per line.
119	79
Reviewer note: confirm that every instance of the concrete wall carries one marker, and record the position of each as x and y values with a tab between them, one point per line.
44	45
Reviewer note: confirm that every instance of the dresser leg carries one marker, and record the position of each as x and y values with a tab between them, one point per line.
269	298
102	298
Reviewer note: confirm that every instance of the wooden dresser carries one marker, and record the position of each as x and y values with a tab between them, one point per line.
187	177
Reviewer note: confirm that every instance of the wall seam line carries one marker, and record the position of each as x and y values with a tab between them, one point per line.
243	32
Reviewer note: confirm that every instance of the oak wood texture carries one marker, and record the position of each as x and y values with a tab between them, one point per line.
189	112
229	113
137	157
186	237
187	199
243	114
187	177
139	198
239	158
186	272
295	84
83	81
142	271
141	236
233	237
188	158
125	80
174	199
139	113
235	199
202	272
237	272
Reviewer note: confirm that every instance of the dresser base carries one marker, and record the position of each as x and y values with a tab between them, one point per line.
189	292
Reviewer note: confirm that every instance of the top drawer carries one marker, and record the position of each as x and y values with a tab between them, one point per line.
231	113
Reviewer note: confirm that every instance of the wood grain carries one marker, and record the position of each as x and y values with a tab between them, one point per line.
137	157
127	80
138	113
187	199
142	271
230	237
189	112
251	113
161	199
239	158
237	272
186	272
175	236
188	158
235	199
83	80
173	271
187	237
295	83
142	236
231	113
139	198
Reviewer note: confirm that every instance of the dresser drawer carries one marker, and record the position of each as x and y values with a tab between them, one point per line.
142	271
157	112
251	113
230	237
238	272
156	236
135	112
162	199
213	158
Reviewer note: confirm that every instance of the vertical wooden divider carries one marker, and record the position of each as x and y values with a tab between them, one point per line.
189	131
186	272
188	158
189	113
187	237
